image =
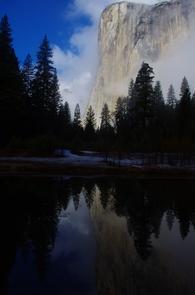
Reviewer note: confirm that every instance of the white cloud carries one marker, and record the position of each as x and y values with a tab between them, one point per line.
77	71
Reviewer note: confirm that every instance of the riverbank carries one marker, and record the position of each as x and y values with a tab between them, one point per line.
55	167
90	163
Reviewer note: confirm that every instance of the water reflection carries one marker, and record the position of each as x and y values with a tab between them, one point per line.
97	236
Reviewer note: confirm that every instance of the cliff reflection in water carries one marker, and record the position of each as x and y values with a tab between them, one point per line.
97	236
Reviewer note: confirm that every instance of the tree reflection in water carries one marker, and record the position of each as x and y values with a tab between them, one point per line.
128	216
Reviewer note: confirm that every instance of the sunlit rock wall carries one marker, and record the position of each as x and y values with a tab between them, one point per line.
129	34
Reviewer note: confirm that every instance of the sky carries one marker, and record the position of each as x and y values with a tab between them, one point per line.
72	29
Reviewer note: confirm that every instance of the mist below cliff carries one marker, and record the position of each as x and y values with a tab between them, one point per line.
177	63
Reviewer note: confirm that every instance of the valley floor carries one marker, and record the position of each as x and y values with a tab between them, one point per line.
91	163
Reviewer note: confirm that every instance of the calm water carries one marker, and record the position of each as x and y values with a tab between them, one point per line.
97	236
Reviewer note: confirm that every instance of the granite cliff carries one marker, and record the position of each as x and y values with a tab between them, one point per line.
131	33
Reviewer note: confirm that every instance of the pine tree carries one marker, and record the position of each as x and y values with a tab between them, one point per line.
106	132
170	116
171	98
143	91
157	125
55	96
130	89
130	103
61	122
43	81
184	109
67	114
90	124
193	116
64	122
12	102
158	94
120	116
45	96
185	89
105	125
158	105
77	124
28	75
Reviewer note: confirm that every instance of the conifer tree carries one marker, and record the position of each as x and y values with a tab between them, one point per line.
67	115
184	109
170	115
106	132
77	127
64	122
157	120
120	115
130	103
158	103
43	82
193	116
55	96
12	102
77	124
90	125
45	90
105	125
158	94
171	98
130	89
143	91
28	75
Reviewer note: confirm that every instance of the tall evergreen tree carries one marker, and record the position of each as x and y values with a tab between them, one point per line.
120	115
171	98
64	122
130	89
43	81
67	115
12	103
158	112
170	117
184	109
90	125
106	132
158	94
158	104
131	103
193	116
105	125
55	96
28	75
45	98
143	90
77	124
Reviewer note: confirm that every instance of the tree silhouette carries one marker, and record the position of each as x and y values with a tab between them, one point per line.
184	110
12	100
90	124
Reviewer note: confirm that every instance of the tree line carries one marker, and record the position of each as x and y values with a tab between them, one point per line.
32	113
145	122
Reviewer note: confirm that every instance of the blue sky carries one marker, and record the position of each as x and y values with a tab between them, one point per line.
72	28
31	19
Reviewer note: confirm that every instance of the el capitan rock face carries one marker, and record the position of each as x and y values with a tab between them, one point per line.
129	34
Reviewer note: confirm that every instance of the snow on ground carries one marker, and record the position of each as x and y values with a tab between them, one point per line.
87	158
